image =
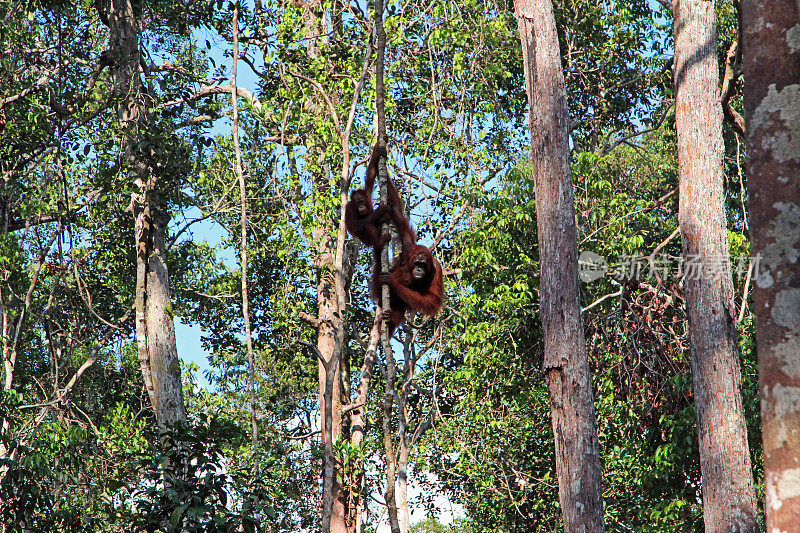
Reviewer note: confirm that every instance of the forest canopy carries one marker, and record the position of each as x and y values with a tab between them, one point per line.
584	241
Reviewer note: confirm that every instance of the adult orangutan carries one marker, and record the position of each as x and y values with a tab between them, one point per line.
415	284
362	221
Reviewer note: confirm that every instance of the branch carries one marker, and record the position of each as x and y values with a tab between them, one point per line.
60	395
325	96
169	66
352	407
341	252
226	89
213	90
625	139
105	60
732	58
27	51
647	209
41	83
440	234
667	5
368	369
747	280
664	242
308	319
316	352
600	300
20	223
200	119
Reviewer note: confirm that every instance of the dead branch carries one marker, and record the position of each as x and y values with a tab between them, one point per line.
729	79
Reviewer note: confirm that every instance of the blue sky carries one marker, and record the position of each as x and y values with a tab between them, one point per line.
190	349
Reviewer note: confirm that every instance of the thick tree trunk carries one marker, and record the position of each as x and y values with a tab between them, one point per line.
155	331
566	365
772	107
727	483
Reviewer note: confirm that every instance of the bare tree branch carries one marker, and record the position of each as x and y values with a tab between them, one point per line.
729	79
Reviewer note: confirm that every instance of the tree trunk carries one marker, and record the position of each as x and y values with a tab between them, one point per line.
333	510
383	175
248	337
388	450
330	334
329	368
772	107
727	481
407	438
155	331
403	516
566	365
358	429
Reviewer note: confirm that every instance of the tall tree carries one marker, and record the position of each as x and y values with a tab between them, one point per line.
333	261
772	107
243	203
390	457
727	482
566	366
155	330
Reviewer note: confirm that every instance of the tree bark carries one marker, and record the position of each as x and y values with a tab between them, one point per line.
357	503
772	108
727	481
566	365
388	449
155	330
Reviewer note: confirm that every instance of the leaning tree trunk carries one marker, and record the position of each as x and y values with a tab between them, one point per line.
566	365
728	495
155	331
772	107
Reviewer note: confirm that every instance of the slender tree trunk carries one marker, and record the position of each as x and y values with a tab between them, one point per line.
155	331
388	450
727	483
406	439
243	202
9	362
357	425
403	516
566	365
772	107
389	398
